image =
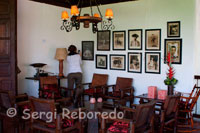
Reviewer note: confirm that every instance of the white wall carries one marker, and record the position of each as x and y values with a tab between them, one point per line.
39	35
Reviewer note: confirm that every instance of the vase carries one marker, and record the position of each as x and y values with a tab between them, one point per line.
170	90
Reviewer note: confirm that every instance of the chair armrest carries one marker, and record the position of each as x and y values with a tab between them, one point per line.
127	109
86	83
63	99
182	97
21	96
22	103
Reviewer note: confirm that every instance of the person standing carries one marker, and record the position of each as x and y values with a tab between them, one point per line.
74	63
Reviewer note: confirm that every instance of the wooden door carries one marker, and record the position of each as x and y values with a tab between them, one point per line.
8	56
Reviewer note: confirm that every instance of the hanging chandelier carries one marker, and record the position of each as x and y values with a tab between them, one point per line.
86	19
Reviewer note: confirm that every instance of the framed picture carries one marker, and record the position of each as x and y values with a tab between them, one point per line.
152	62
152	39
87	50
135	62
119	40
101	61
173	29
117	62
175	46
103	40
135	39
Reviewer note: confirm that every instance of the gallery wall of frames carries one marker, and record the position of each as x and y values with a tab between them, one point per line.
132	61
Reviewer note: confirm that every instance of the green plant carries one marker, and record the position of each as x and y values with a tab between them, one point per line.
170	80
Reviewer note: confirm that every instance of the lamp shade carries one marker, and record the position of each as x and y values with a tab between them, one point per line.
74	10
96	15
61	53
65	15
109	14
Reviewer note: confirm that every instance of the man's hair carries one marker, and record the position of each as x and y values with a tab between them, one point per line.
72	48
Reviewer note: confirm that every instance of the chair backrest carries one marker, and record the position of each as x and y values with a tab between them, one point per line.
194	98
99	79
43	106
123	83
144	112
171	104
49	80
6	100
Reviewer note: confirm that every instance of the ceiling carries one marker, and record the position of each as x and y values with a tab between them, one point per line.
85	3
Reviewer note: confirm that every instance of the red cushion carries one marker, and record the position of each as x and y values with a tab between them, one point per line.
51	88
119	127
91	91
66	123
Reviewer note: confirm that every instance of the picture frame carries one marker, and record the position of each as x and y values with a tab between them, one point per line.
119	41
153	39
152	62
173	29
88	50
176	50
103	40
134	62
101	61
135	39
117	62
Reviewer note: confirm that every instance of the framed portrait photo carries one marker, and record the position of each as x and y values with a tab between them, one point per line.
103	40
152	62
135	62
173	29
87	50
117	62
101	61
175	46
119	40
135	39
153	39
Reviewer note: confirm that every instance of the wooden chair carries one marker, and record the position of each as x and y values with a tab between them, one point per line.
142	120
186	107
19	103
168	115
49	88
57	123
95	87
122	91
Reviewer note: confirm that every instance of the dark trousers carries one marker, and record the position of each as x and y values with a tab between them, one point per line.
75	78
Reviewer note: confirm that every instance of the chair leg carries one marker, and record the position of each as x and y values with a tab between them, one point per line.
191	120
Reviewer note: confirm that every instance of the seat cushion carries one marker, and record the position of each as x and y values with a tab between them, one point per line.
65	124
91	91
119	127
48	89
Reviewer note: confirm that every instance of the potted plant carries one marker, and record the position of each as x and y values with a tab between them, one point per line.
170	81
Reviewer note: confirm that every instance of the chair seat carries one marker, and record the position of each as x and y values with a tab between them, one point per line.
91	91
119	127
116	94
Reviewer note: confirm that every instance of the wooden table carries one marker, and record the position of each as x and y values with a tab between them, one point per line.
144	99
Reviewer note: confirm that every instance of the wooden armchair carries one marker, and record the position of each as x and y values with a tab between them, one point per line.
49	88
186	107
57	122
122	91
168	115
95	87
19	103
142	120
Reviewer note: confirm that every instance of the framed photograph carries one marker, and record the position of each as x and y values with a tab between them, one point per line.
173	29
175	46
135	39
153	39
152	62
87	50
119	40
135	62
101	61
117	62
103	40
